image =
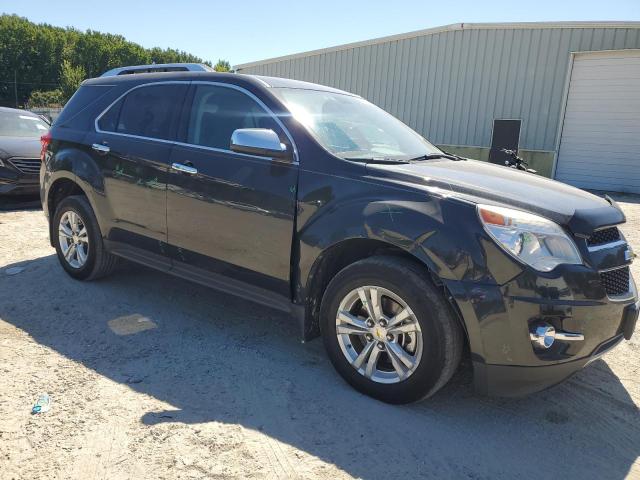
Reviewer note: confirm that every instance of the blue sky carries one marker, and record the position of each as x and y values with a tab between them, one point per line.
248	30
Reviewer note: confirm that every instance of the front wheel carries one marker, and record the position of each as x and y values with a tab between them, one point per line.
388	331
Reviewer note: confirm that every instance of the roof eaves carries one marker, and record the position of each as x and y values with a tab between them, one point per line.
435	30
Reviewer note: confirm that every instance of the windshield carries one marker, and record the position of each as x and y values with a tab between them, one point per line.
21	125
352	128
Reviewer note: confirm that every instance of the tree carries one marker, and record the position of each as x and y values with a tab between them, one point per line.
33	56
45	98
222	66
30	55
70	79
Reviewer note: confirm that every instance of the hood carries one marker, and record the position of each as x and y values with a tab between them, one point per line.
26	147
482	182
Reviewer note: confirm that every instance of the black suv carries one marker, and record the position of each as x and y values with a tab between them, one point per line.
315	202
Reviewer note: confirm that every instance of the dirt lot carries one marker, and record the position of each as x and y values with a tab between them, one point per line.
155	377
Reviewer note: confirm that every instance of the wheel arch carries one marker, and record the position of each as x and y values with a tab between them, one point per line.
424	229
63	186
73	171
346	252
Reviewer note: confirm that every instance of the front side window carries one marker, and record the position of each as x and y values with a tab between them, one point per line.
145	112
350	127
16	124
217	111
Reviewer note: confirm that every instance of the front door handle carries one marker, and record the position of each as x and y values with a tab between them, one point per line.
101	149
181	167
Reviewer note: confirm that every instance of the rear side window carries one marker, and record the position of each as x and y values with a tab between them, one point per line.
145	112
217	111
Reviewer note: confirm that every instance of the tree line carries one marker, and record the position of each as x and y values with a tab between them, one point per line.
43	65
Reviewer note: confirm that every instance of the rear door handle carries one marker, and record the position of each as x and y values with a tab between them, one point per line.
181	167
102	149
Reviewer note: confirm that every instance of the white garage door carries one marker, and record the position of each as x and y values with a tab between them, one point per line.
600	143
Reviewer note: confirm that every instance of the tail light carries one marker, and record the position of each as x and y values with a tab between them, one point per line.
45	140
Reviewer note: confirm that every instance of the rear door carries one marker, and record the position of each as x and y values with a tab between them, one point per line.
234	215
133	147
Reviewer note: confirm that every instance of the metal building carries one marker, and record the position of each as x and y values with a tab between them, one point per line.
575	86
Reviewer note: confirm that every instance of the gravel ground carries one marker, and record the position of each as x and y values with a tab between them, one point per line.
155	377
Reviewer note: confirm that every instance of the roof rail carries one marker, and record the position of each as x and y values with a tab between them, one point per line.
158	67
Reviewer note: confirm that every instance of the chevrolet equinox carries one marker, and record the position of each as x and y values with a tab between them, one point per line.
315	202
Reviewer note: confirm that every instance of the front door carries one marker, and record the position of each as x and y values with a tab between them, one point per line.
234	213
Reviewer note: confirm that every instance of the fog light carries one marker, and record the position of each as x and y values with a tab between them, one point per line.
542	336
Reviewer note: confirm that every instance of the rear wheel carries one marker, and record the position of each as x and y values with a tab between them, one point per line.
78	240
388	331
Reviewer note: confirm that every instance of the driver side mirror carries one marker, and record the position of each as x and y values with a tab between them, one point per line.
263	142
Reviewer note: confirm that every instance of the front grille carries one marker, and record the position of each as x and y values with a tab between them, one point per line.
615	282
30	166
606	235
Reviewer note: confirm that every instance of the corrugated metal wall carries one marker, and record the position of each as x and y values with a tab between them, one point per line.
449	86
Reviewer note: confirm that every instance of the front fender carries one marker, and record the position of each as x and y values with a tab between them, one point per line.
440	233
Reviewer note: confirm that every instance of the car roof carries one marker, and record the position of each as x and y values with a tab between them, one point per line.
258	81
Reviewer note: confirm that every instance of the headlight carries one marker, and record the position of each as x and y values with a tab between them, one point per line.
533	240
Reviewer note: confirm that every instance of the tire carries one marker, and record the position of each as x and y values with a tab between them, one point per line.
98	262
435	335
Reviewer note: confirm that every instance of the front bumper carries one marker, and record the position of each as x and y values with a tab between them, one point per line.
518	380
498	319
13	182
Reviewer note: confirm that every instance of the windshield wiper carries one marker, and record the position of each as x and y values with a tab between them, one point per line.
384	160
433	156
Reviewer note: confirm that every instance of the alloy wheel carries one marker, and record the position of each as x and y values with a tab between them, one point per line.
74	239
379	334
